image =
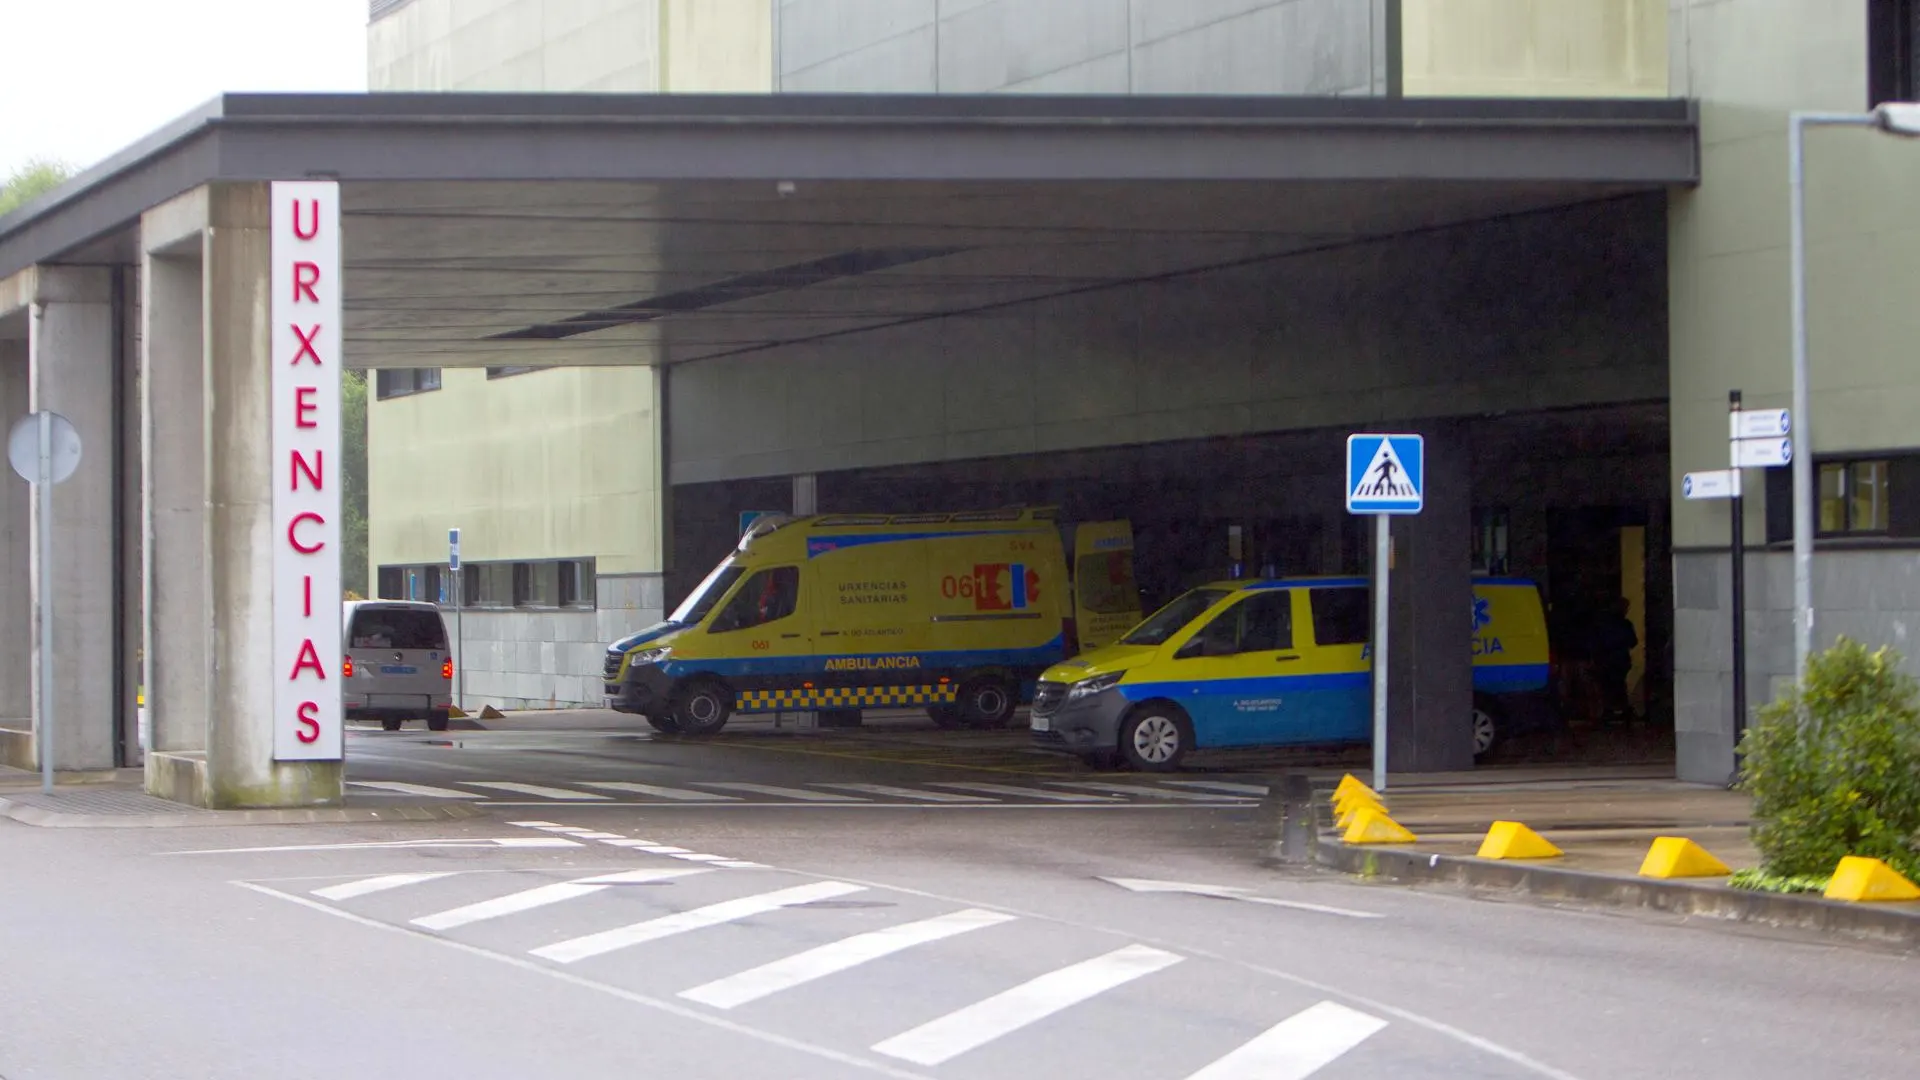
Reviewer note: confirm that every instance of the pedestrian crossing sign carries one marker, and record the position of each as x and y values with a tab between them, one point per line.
1385	474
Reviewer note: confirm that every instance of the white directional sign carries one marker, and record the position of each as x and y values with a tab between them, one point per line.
1762	453
1759	424
1713	484
1386	474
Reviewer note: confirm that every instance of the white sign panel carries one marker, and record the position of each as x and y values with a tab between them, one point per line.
1714	484
1759	424
1386	474
307	722
1762	453
453	549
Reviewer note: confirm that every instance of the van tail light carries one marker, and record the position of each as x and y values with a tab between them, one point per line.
346	668
446	668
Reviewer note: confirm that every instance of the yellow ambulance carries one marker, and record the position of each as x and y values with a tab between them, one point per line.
955	613
1277	663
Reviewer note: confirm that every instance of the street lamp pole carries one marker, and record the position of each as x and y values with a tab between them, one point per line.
1894	118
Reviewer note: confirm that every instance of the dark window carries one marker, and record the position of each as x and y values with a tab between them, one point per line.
1261	624
1340	616
400	382
504	372
576	583
1853	497
397	628
1893	27
422	583
488	585
768	596
1490	529
392	584
536	584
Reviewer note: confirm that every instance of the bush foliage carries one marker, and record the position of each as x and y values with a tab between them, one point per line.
1834	768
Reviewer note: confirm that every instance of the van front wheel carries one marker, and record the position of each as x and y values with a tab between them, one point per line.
986	702
1155	738
1489	726
702	708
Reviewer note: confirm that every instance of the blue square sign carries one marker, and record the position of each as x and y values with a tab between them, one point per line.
1386	474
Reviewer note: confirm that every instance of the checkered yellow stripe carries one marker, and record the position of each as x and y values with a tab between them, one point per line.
846	697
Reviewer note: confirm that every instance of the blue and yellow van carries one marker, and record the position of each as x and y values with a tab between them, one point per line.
1276	663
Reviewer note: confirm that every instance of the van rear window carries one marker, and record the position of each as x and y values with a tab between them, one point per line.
397	628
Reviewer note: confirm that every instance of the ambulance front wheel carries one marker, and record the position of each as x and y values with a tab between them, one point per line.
1153	738
663	724
944	716
986	701
1489	726
702	708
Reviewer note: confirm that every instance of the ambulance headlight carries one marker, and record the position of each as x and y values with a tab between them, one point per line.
648	656
1099	684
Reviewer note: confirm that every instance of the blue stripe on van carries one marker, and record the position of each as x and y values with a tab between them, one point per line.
930	660
820	545
1509	678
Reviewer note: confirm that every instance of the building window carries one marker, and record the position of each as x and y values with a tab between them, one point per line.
504	372
402	382
1853	497
489	584
1490	534
1893	28
576	583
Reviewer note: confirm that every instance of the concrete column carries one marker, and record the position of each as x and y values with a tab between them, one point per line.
178	559
1430	688
16	571
211	499
72	354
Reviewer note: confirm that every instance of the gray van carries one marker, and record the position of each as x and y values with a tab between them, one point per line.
396	663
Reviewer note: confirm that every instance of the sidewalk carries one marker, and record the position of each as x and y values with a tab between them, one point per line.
1604	826
120	802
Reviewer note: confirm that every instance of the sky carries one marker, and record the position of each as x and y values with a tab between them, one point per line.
82	79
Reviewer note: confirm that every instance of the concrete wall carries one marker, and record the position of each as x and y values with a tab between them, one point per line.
487	456
1534	48
1750	62
573	45
552	659
1083	46
1459	322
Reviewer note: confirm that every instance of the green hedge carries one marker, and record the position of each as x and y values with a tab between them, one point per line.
1834	768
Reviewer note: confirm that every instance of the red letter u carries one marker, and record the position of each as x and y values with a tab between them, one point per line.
312	230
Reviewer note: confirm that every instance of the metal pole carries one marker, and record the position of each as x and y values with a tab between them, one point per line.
1803	474
460	639
1802	426
44	489
1382	555
1739	549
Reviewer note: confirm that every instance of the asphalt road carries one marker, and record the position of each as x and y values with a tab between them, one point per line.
779	937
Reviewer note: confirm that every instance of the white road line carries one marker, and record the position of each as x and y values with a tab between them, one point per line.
1013	792
418	791
1141	791
1258	791
817	963
528	899
1296	1047
623	842
538	825
694	856
557	794
1004	1013
678	794
581	948
742	864
366	886
596	836
907	793
783	792
500	841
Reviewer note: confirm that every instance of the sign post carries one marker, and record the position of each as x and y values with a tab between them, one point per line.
1756	438
459	618
1386	475
44	448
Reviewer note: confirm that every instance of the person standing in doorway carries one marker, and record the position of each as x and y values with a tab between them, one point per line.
1614	640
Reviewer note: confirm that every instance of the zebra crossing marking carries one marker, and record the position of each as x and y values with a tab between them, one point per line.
1011	791
798	794
658	792
418	791
829	959
369	886
587	946
908	793
947	1037
1296	1047
554	793
541	896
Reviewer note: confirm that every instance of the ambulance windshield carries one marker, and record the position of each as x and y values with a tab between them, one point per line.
710	592
1168	620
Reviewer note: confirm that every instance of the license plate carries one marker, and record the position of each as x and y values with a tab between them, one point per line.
1042	723
398	669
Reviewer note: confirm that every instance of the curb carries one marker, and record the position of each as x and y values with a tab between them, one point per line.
1896	926
54	819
